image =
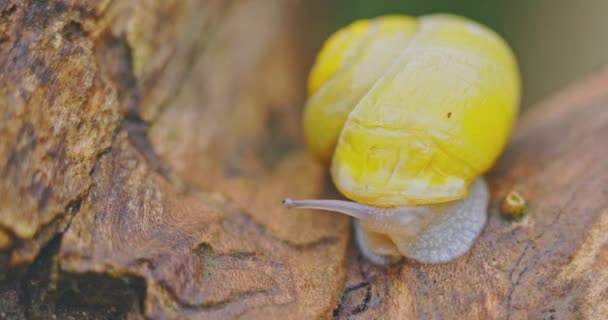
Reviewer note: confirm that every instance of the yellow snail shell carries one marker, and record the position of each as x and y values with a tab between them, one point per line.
410	113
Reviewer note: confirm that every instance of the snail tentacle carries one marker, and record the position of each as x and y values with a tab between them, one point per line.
353	209
407	220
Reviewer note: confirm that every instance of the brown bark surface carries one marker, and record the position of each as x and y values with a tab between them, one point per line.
145	147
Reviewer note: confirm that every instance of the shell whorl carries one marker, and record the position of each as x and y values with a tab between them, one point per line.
410	111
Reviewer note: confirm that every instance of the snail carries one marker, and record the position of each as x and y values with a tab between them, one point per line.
408	114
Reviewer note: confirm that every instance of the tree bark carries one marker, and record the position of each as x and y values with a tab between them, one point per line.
145	147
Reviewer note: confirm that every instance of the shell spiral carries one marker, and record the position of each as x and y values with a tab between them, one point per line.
410	111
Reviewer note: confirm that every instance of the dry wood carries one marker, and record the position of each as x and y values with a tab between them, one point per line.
146	146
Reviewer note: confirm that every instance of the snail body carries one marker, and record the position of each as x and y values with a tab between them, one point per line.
409	113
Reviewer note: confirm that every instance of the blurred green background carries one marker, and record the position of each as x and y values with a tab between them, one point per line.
555	41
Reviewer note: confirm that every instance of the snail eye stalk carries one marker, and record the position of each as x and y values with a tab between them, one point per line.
353	209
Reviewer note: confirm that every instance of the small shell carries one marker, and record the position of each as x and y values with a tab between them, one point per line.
410	111
514	206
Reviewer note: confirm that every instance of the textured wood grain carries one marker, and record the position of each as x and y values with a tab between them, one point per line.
58	115
173	207
145	147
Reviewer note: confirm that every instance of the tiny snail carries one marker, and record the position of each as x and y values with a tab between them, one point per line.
409	113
